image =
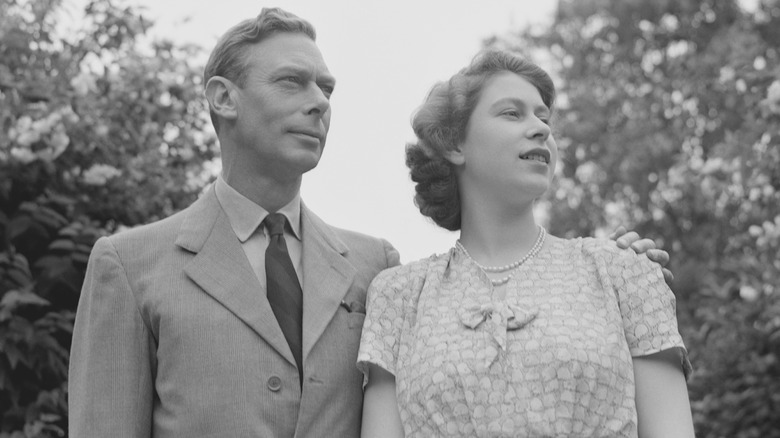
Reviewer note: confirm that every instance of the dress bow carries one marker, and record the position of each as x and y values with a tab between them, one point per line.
498	318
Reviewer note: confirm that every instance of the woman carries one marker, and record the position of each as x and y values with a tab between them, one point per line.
514	332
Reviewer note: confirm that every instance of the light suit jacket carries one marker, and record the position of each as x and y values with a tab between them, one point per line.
175	338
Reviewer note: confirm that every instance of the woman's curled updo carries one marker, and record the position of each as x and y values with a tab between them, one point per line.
440	125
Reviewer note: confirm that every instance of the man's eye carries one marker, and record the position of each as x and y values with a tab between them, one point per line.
327	89
293	79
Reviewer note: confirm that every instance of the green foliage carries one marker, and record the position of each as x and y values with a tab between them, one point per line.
99	132
669	122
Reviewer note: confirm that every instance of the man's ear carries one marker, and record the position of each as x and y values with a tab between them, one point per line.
221	94
455	156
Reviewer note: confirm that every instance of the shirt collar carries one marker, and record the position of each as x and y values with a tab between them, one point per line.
245	216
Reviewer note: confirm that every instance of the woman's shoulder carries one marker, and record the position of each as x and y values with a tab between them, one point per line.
400	287
593	247
599	252
407	275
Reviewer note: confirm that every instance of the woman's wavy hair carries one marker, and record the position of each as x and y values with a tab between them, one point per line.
441	123
229	60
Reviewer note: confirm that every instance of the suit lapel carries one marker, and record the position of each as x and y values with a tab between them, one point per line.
327	276
220	267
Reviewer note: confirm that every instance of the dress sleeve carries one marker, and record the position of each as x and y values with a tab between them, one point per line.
647	305
380	340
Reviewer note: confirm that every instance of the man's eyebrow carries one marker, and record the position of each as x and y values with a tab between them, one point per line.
287	69
323	78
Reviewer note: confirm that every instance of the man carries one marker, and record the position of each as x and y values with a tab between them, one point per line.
181	329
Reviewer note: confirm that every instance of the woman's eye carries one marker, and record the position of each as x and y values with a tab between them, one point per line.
511	113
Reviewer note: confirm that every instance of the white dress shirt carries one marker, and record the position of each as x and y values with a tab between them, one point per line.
246	219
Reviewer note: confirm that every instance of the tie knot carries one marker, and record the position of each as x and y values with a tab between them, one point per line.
274	222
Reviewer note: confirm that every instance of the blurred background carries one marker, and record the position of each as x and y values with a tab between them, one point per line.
668	119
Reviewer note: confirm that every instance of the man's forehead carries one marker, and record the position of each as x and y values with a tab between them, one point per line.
290	51
300	61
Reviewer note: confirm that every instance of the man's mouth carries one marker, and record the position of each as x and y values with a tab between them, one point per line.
313	134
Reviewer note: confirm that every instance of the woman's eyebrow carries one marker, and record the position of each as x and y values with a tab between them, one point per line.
522	104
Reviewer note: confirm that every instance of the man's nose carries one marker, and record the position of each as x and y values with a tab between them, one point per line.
319	103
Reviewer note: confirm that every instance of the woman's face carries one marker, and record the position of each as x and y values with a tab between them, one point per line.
508	149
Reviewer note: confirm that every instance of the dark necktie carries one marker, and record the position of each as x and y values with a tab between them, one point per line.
283	288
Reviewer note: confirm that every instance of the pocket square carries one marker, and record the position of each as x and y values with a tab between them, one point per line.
354	306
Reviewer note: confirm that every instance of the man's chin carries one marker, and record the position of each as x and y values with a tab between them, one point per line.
306	164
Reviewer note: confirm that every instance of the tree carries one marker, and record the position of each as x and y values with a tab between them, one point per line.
669	122
101	130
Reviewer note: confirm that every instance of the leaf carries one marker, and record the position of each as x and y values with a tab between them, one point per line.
4	379
15	298
53	265
18	226
13	354
72	230
28	207
57	321
49	217
82	258
50	418
19	277
20	262
84	248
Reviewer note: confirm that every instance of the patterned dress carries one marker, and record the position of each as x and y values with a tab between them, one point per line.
553	358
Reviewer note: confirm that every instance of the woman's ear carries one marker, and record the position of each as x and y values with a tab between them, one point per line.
455	156
220	92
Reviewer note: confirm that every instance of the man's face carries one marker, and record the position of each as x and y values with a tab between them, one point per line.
283	106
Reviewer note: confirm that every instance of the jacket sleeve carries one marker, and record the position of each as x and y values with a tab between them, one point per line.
111	371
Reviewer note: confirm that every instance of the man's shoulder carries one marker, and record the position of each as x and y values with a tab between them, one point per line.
197	215
154	228
361	245
349	236
354	240
158	232
364	251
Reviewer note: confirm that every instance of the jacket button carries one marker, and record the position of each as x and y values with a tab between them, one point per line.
274	383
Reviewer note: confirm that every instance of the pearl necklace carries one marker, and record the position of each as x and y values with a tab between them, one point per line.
509	267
